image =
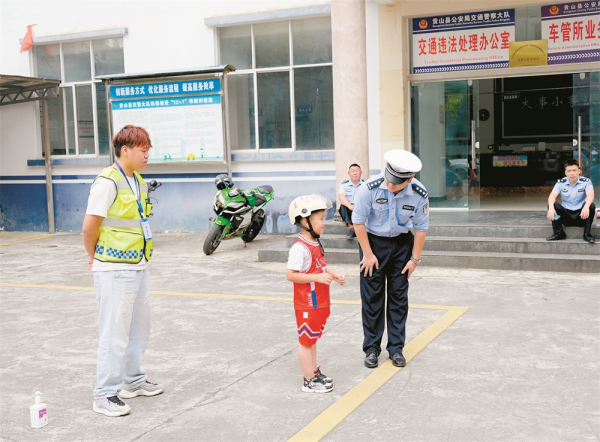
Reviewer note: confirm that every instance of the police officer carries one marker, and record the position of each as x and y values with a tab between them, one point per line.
577	208
386	208
346	194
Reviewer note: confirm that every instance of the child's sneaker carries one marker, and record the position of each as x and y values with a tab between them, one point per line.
323	377
146	389
111	406
315	385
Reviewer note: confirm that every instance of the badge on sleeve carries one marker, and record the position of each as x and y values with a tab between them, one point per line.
426	209
146	228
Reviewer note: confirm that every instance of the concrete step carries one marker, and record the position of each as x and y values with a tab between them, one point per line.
487	245
473	260
479	231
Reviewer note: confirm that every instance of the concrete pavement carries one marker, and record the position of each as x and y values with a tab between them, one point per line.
521	364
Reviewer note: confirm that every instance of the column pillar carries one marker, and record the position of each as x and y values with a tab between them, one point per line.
349	45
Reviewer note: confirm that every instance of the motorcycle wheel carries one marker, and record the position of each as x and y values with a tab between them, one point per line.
213	239
255	227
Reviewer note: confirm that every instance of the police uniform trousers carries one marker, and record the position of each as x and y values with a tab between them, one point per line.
573	218
346	214
392	255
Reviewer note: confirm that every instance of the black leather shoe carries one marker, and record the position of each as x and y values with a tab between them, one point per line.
398	360
371	358
557	236
351	234
589	238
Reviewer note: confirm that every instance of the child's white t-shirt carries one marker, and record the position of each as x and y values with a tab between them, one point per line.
300	258
102	195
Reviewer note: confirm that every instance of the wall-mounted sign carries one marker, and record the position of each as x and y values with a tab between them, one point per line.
184	118
509	161
528	53
190	87
462	41
572	31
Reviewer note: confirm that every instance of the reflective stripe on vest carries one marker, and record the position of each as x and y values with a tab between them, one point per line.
123	185
118	222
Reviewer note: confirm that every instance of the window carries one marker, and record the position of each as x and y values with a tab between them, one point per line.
281	95
78	119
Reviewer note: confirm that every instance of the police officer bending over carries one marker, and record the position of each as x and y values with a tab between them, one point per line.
577	207
386	208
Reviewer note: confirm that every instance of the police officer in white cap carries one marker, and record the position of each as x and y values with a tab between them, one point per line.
386	209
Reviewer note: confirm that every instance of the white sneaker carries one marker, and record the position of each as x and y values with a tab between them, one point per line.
316	385
111	406
146	389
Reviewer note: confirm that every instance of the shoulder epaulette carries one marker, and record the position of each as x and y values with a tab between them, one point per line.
563	180
345	181
582	178
374	184
420	190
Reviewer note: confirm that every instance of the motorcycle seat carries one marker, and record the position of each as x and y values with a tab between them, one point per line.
265	189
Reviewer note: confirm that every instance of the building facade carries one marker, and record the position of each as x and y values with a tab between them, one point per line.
316	87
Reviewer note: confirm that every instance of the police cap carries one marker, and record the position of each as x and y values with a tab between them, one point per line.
401	165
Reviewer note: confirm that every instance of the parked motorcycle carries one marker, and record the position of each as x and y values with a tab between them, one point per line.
239	213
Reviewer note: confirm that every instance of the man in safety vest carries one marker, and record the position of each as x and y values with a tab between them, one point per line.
118	241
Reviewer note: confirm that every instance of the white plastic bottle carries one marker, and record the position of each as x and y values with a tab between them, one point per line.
38	412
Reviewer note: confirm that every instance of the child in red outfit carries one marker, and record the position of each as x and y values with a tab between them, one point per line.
307	269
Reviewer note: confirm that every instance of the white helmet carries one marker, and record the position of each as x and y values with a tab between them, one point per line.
305	205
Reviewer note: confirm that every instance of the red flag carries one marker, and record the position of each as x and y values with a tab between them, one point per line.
27	40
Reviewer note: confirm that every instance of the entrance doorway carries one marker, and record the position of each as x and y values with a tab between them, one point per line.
500	144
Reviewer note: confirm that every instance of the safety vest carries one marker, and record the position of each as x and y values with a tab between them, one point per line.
312	295
121	236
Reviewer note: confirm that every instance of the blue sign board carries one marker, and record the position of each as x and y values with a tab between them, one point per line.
148	90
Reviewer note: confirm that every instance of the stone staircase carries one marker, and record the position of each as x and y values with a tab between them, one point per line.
473	246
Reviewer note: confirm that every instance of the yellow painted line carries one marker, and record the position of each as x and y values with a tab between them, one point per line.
16	234
23	240
337	412
39	286
214	295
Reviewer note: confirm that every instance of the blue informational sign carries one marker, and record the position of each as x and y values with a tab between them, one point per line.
472	20
166	102
161	89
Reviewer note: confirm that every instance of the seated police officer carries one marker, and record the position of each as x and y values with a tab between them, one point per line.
577	208
346	194
386	208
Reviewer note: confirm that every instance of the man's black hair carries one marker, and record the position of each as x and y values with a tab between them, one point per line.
353	165
571	163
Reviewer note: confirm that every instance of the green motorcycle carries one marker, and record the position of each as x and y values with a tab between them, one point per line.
239	213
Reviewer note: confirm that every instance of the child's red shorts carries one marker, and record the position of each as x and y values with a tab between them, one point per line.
311	324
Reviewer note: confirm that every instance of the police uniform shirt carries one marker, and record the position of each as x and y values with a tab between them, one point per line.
349	189
388	215
573	195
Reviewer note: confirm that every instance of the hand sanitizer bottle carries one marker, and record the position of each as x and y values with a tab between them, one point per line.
38	412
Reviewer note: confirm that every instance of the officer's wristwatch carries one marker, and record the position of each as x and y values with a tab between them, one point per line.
416	261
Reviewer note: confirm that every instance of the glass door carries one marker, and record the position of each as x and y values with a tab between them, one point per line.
445	133
585	101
